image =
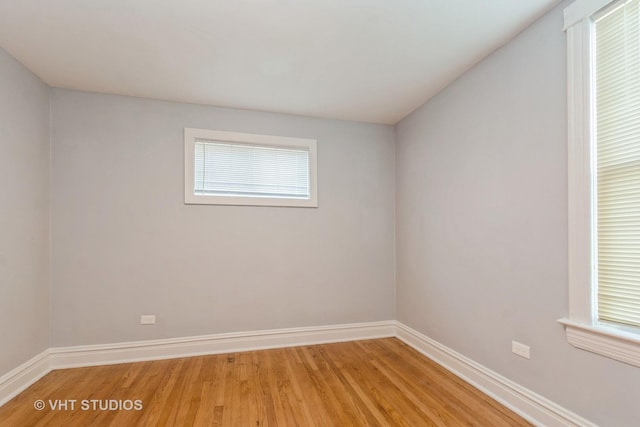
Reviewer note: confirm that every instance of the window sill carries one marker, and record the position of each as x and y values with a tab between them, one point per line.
606	341
195	199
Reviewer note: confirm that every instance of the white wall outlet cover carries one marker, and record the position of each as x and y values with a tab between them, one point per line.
148	319
520	349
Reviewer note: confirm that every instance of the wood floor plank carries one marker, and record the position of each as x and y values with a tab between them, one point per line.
381	382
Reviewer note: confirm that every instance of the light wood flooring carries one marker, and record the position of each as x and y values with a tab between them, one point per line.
380	382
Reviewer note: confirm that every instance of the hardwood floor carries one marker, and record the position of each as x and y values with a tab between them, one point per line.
379	382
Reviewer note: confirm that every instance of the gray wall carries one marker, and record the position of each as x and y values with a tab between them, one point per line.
482	226
24	214
125	244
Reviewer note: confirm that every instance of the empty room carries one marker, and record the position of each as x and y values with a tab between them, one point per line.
320	213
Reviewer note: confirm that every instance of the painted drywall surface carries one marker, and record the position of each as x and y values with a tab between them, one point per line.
24	214
125	244
482	226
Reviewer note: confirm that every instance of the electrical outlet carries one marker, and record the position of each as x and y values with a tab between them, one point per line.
148	319
520	349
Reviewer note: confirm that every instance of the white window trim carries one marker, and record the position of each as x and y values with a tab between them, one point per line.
191	135
582	327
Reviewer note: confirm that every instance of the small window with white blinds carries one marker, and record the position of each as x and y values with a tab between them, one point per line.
230	168
616	79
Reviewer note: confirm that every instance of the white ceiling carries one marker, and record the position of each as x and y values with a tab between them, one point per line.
364	60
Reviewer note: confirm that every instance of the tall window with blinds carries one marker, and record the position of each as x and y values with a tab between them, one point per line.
230	168
616	78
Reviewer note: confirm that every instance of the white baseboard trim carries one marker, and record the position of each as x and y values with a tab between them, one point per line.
18	379
531	406
528	404
108	354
